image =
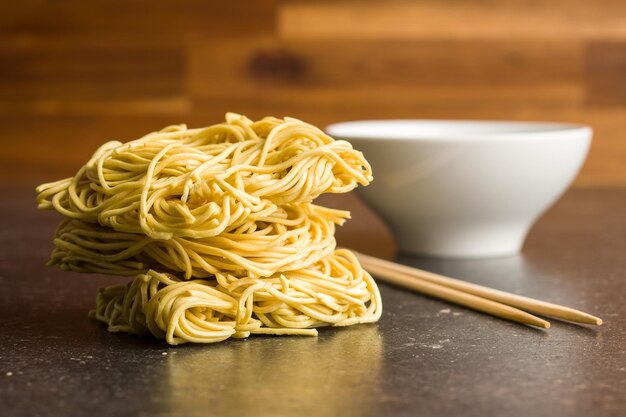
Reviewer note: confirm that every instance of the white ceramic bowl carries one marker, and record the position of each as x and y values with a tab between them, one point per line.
465	188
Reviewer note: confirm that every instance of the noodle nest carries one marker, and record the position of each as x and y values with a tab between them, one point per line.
218	230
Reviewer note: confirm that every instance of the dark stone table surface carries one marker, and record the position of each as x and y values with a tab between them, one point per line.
424	357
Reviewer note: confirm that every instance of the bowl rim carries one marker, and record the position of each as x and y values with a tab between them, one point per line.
535	130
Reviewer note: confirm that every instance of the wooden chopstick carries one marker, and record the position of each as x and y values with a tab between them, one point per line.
390	271
454	296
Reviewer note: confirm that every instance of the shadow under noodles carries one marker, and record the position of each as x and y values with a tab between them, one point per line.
334	374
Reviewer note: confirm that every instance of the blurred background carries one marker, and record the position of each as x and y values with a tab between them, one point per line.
74	73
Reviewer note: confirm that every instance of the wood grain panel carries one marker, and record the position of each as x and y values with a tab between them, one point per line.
155	19
606	163
74	74
375	73
605	73
465	19
90	75
47	148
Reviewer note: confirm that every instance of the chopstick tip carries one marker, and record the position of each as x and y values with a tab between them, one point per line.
546	325
598	321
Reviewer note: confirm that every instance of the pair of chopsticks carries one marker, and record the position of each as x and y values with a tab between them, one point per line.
487	300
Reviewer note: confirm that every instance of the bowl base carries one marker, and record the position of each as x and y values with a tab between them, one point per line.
493	244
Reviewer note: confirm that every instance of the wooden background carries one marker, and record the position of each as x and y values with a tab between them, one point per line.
76	73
